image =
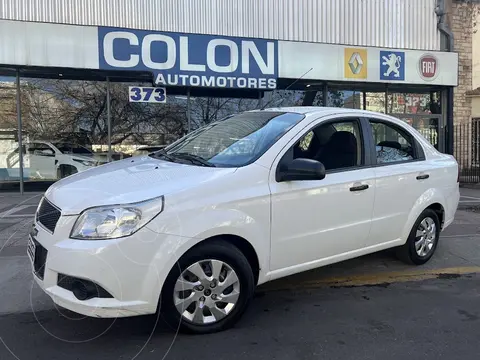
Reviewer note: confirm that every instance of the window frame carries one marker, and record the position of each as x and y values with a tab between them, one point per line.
287	156
38	146
418	151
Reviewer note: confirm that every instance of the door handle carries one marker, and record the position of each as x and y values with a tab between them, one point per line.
359	188
423	177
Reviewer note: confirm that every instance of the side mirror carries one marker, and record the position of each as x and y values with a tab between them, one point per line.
301	169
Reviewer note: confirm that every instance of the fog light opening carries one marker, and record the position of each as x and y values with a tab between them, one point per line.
84	291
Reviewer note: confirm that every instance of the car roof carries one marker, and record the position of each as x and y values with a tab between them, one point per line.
325	111
319	110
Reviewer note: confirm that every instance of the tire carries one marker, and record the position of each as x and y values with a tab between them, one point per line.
408	252
207	256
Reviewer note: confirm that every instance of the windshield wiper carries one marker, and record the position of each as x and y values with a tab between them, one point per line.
194	159
163	154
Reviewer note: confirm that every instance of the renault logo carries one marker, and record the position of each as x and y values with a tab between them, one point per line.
355	63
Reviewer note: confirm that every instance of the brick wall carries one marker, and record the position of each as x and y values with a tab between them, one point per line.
461	15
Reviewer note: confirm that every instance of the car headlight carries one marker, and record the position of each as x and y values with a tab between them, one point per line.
115	221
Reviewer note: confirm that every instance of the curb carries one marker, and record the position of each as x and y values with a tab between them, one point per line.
470	186
475	207
377	279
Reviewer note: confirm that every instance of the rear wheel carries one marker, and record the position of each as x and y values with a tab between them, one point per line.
423	239
208	289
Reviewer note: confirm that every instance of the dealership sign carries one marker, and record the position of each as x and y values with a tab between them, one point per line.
147	94
179	59
191	59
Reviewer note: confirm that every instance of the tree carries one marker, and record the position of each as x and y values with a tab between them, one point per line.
66	110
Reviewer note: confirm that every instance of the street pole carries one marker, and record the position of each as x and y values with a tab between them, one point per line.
19	125
325	94
109	121
189	121
386	100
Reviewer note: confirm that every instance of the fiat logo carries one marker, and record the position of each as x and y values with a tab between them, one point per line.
428	66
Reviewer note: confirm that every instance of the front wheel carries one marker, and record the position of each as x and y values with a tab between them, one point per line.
208	289
423	239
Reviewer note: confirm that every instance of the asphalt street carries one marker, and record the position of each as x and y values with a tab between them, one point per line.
431	319
374	307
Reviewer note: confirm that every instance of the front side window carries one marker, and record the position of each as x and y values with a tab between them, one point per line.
235	141
72	149
392	143
40	149
337	145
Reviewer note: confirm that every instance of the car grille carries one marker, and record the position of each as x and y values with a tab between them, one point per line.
40	260
48	215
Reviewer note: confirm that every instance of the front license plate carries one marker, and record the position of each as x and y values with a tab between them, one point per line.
31	249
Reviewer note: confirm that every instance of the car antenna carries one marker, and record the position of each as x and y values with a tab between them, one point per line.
288	87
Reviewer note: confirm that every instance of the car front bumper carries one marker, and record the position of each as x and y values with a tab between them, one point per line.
130	270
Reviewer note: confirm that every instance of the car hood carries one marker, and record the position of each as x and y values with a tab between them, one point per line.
83	157
127	181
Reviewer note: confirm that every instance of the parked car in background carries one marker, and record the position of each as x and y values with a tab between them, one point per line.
52	160
193	229
145	150
102	156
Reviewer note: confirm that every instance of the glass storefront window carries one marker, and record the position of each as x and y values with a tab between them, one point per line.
9	156
347	99
375	101
413	103
419	111
65	123
280	98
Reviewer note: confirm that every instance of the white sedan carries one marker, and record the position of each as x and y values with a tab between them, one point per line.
192	229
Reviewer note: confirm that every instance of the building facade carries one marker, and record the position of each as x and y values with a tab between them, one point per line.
388	56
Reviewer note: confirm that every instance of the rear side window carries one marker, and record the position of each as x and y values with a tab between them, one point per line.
392	143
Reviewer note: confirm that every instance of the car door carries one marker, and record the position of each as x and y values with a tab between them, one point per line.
13	163
42	161
402	176
318	221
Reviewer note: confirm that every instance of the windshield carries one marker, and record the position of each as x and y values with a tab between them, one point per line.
72	149
235	141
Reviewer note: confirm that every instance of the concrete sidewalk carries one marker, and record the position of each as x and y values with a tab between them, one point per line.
469	198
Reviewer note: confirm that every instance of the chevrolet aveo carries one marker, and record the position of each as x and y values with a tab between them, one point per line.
190	230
